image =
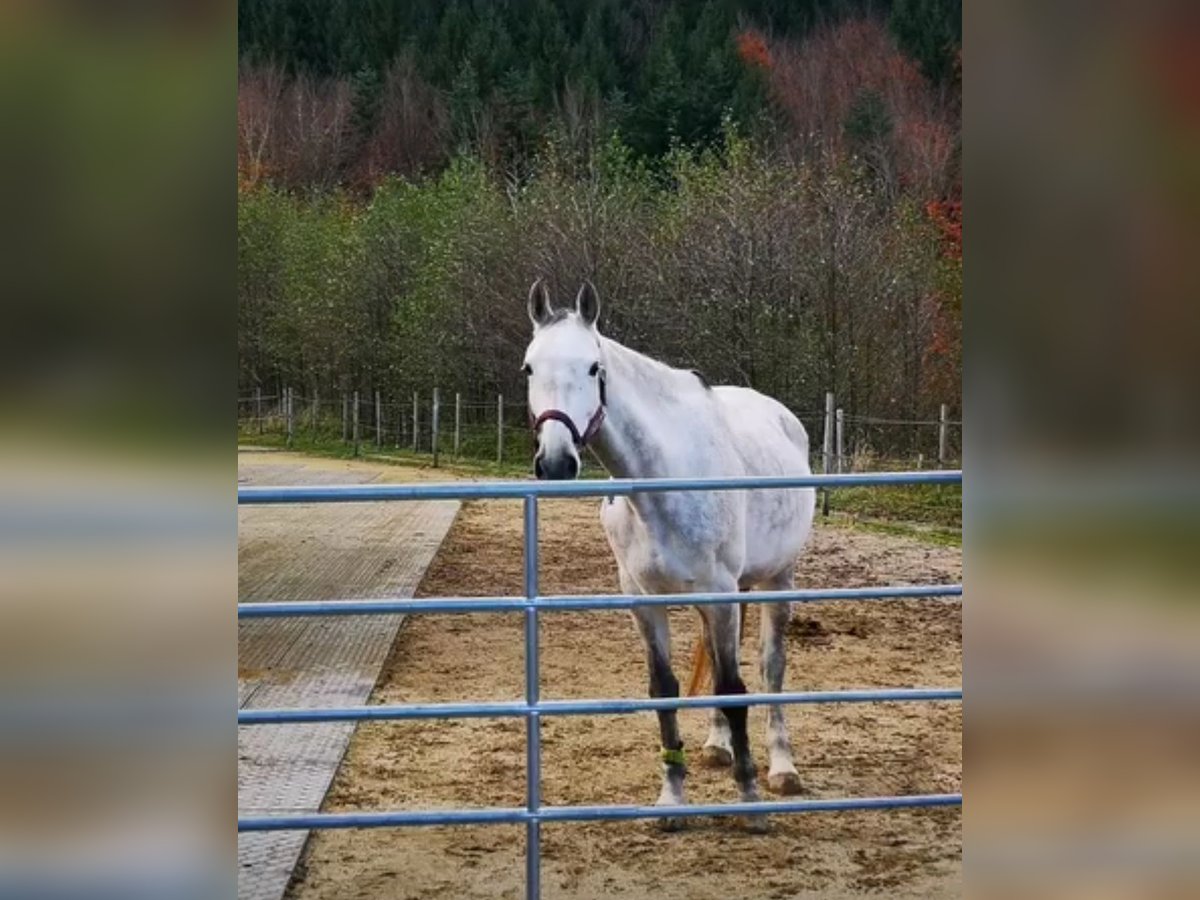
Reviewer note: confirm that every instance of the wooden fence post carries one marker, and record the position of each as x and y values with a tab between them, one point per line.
433	426
838	434
345	417
378	423
354	419
287	411
315	415
499	428
416	423
943	434
827	456
258	408
457	421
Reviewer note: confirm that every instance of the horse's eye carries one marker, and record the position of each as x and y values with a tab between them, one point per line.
527	369
594	369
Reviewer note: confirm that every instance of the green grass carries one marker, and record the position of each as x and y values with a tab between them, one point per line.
930	512
931	534
926	504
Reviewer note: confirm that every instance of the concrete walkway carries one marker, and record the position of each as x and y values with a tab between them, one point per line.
316	552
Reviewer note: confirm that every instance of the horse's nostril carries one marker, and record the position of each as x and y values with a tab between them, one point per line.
572	467
538	470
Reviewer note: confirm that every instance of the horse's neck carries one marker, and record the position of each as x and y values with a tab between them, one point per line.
644	399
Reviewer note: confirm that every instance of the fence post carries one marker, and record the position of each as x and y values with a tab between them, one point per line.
943	435
316	411
399	427
345	417
533	734
258	408
355	421
838	434
378	423
433	432
415	424
827	455
287	411
499	428
457	421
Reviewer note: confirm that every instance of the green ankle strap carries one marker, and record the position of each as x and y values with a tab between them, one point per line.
674	757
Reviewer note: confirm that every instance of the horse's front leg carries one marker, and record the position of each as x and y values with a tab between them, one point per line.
655	630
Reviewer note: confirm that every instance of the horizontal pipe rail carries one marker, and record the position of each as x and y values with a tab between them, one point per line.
403	818
613	487
585	707
578	602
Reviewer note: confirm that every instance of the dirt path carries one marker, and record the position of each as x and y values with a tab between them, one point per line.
840	751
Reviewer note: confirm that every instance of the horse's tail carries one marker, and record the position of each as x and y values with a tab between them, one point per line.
701	661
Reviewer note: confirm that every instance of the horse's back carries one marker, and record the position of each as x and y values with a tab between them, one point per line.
769	438
770	441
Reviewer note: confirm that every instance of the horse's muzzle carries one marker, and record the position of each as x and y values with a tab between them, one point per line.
559	467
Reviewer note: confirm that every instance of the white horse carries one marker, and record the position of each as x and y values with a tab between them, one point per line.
644	419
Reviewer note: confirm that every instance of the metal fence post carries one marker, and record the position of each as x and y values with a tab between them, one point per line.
416	423
533	736
433	427
943	434
457	421
258	408
828	449
499	428
378	423
287	411
354	419
838	434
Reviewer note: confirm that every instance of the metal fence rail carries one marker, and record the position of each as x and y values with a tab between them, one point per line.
533	707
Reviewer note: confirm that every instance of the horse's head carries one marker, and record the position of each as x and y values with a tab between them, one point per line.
566	380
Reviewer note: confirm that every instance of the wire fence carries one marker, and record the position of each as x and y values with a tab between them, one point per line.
450	427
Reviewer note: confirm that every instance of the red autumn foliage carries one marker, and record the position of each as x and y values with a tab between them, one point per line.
947	216
817	83
752	49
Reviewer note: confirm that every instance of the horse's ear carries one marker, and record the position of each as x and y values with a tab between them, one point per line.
587	303
539	304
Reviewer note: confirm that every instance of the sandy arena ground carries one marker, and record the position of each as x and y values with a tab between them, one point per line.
840	750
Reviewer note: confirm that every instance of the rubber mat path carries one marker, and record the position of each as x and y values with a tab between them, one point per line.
318	552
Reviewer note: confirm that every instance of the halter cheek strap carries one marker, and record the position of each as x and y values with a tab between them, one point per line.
557	415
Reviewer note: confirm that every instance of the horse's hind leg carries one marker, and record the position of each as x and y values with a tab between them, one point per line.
782	777
723	634
653	625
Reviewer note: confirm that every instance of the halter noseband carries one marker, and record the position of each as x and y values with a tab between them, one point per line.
593	425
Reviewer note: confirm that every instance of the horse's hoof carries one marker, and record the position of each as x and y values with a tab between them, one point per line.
669	824
714	757
755	824
785	783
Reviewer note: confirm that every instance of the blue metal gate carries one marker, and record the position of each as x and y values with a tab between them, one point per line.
533	708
